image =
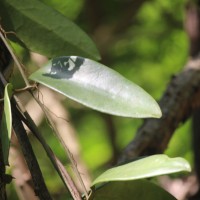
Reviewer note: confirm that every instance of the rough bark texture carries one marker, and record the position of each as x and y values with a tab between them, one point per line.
177	103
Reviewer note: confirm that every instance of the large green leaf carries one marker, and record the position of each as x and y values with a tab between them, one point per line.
45	30
6	124
69	8
144	168
96	86
132	190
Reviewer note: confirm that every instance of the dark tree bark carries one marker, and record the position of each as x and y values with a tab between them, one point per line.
177	105
39	185
5	60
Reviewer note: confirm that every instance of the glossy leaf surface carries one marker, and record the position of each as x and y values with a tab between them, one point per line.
6	125
44	30
96	86
144	168
132	190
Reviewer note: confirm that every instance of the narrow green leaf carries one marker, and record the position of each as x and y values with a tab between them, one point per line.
96	86
44	30
144	168
132	190
6	124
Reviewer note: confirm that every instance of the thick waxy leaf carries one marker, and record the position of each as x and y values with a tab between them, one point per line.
144	168
45	30
132	190
97	87
6	125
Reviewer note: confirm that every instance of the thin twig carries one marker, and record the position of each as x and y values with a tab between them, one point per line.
15	60
38	180
55	161
70	156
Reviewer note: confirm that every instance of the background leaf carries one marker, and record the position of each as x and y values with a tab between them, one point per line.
6	124
144	168
132	190
45	30
97	87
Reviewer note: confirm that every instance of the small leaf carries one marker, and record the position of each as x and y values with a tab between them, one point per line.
96	86
44	30
144	168
132	190
6	124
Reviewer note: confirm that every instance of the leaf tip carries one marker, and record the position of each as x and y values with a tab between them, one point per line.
185	165
157	112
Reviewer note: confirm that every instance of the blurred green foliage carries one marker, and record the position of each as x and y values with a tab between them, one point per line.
152	49
69	8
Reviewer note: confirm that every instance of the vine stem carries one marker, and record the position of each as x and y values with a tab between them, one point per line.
15	59
70	156
55	161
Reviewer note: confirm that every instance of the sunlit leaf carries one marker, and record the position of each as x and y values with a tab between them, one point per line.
144	168
132	190
96	86
44	30
6	124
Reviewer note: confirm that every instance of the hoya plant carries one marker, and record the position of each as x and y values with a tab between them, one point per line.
74	69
